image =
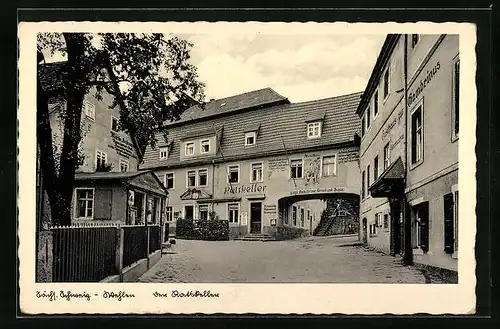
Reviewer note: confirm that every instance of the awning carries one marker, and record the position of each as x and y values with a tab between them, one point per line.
391	182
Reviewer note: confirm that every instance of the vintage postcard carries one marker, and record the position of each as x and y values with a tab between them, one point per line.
246	167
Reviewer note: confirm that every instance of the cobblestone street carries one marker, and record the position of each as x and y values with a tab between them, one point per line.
308	260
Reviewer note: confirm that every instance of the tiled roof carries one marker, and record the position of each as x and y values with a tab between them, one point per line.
281	124
51	75
261	97
108	175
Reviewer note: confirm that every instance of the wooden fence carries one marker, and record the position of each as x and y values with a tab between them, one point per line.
91	252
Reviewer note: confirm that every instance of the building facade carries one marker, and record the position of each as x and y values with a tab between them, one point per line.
409	150
107	178
259	161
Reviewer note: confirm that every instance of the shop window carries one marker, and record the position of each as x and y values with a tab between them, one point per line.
250	138
203	212
205	146
84	203
375	168
296	169
375	104
234	174
169	180
191	178
387	156
329	166
123	165
233	212
420	227
169	213
417	137
203	177
256	175
456	98
189	149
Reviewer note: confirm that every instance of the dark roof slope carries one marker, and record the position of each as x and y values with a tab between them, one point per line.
51	75
280	124
261	97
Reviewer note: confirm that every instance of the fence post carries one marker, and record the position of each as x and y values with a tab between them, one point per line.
119	252
148	236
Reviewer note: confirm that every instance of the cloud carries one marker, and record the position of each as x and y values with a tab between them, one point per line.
302	68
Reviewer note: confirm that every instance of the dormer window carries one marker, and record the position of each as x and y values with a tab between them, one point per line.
114	124
250	138
163	153
314	129
205	146
189	150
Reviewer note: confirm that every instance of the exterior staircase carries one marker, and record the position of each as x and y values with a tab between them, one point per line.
324	226
257	237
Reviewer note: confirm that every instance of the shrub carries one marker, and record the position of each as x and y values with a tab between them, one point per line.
185	228
211	230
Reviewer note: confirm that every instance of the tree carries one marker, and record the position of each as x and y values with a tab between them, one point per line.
147	74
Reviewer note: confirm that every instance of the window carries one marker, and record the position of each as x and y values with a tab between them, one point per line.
375	104
414	40
302	215
456	98
363	187
363	126
233	212
256	172
368	180
373	229
250	138
387	156
386	221
314	130
203	177
420	227
189	212
378	222
205	146
294	216
203	212
308	215
89	110
123	165
189	148
84	203
101	159
234	174
416	136
329	166
368	119
114	124
163	153
169	213
296	169
169	180
375	168
386	83
191	178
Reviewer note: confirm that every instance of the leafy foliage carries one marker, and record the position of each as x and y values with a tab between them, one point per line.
211	230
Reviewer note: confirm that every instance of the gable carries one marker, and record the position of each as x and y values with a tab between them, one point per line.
148	181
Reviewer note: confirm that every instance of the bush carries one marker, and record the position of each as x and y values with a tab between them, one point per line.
211	230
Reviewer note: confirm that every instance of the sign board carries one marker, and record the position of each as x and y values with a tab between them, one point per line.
269	209
319	190
244	218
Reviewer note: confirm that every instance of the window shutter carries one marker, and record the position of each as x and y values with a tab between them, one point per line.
424	231
448	224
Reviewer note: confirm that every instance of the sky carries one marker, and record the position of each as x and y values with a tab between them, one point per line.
299	67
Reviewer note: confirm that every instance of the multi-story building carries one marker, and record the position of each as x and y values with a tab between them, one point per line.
259	161
108	185
409	150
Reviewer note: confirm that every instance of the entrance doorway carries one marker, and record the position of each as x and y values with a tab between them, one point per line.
255	217
396	227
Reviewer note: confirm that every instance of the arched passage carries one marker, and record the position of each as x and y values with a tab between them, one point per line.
334	213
